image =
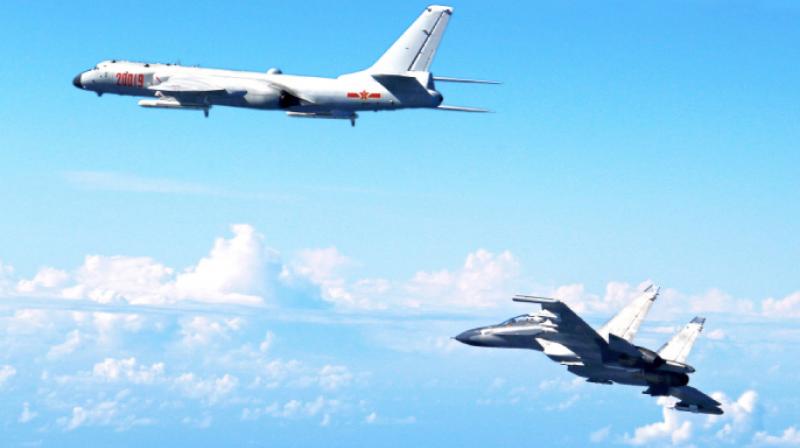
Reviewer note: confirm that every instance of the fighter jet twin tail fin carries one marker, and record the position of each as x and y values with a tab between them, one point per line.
627	322
678	348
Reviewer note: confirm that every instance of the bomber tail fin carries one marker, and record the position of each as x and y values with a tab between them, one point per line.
415	49
678	348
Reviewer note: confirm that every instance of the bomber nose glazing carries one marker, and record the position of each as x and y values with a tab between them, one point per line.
76	81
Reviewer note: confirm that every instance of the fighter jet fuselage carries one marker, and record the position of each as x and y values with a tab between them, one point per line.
536	332
606	356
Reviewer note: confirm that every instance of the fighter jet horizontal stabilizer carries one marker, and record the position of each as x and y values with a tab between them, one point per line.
692	400
533	299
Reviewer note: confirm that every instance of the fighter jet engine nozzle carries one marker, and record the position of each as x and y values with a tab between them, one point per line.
666	379
76	81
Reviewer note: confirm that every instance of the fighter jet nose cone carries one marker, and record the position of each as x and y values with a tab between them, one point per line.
76	81
466	337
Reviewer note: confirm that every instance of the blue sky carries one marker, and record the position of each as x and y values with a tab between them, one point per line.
258	280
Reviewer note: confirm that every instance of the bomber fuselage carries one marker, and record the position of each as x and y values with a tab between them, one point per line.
272	90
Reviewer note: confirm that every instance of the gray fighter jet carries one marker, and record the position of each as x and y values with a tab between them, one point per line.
607	355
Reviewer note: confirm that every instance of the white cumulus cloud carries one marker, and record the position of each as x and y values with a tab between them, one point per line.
600	435
789	437
6	373
209	390
46	279
67	347
737	419
199	331
112	370
480	282
237	270
26	415
6	278
674	428
788	306
234	271
101	414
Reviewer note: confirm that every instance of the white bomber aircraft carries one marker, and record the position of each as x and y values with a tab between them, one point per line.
400	79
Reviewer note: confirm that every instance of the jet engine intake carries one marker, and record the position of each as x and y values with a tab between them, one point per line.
286	100
666	379
643	358
650	357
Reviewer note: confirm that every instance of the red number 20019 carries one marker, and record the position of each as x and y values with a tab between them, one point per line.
130	79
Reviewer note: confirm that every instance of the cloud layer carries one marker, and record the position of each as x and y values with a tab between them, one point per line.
101	367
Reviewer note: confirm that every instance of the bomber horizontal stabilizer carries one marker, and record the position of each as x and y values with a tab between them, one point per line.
464	81
462	109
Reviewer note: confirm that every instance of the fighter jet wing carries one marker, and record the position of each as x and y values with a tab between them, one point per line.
570	330
692	400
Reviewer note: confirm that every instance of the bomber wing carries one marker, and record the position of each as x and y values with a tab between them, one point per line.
288	93
187	92
570	330
177	86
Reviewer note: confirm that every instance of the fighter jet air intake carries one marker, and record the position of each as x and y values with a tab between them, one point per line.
607	355
400	79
